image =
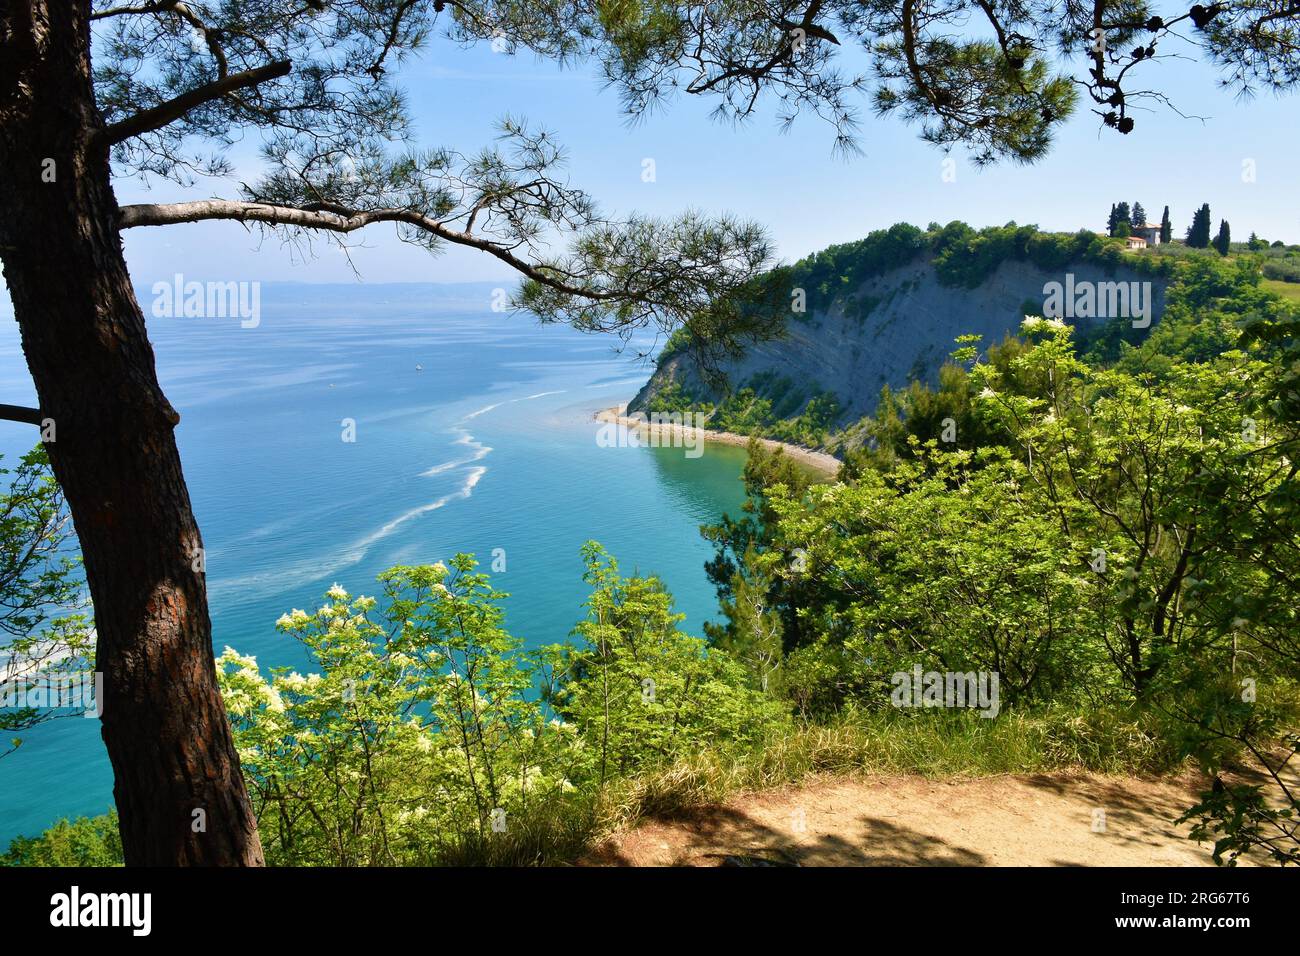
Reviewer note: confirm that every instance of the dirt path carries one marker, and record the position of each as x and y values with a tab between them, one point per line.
1039	820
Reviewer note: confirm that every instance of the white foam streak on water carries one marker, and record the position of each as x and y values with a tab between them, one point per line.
465	491
303	571
481	451
483	411
509	401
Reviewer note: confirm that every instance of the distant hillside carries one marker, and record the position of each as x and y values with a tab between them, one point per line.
886	311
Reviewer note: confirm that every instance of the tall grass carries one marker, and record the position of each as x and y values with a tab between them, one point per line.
930	743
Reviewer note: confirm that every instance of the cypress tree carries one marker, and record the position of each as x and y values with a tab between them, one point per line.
1198	234
1224	239
1166	227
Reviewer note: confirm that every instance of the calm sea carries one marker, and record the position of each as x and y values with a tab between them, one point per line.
473	432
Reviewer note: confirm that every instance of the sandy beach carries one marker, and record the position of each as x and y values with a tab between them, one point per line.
818	461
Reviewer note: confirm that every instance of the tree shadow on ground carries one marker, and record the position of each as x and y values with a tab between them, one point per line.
724	836
1142	817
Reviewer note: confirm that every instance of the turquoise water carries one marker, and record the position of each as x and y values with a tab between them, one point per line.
490	445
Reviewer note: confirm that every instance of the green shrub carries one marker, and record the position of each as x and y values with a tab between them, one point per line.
85	841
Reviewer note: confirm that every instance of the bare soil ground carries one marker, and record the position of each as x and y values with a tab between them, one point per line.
1036	820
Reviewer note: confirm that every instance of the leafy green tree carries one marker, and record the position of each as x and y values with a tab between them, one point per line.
1198	233
1149	469
425	731
760	608
1240	817
421	724
43	628
981	580
908	419
1123	220
85	841
640	691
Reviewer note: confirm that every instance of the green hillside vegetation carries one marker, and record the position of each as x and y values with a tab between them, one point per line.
770	406
963	257
86	841
1112	528
1285	290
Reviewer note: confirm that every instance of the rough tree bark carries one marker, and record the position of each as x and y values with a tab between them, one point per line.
179	791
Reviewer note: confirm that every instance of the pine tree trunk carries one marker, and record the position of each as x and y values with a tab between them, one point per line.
178	787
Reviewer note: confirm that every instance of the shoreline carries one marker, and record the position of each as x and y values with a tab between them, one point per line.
820	462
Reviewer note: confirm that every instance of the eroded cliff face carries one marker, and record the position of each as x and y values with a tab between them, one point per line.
900	327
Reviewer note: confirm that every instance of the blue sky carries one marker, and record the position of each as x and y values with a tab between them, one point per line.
791	182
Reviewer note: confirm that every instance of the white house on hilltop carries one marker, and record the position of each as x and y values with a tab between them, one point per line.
1150	235
1139	237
